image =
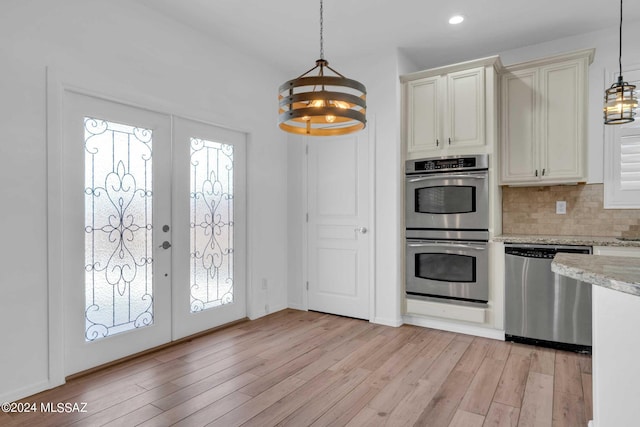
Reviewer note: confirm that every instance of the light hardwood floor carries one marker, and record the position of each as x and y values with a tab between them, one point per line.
295	368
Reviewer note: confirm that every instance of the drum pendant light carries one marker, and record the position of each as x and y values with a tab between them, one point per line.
620	99
320	104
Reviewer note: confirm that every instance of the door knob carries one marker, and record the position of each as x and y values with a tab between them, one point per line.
362	230
165	245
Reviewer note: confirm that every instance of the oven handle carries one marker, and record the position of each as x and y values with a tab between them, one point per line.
482	175
480	247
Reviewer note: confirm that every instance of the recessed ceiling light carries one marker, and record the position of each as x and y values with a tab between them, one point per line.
456	19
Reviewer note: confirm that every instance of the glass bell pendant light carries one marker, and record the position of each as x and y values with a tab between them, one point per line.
321	104
620	100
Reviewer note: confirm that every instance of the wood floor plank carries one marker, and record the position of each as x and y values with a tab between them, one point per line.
501	415
568	410
401	386
568	379
480	393
202	400
306	414
514	379
587	394
466	419
543	361
342	412
538	401
251	408
413	406
441	409
304	368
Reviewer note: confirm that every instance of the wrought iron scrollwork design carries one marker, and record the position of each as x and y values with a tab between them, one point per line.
118	240
211	224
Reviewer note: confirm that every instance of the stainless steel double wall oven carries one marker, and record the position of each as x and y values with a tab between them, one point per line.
447	228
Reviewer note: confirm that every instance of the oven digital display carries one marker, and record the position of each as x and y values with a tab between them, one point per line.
439	164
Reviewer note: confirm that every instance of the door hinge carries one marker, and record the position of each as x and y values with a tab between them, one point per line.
307	285
307	217
306	149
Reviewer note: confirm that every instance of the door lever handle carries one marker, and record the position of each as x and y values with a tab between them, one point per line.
361	230
165	245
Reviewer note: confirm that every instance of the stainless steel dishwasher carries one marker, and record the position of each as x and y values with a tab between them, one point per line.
544	308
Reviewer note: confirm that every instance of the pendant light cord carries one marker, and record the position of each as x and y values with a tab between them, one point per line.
620	54
322	25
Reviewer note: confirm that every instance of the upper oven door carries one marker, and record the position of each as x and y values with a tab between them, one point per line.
447	201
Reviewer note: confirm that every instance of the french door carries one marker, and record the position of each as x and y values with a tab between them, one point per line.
153	229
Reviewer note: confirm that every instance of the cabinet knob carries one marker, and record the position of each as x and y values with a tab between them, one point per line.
536	172
543	170
437	143
449	141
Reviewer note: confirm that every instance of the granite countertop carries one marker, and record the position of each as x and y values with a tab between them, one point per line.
617	273
566	240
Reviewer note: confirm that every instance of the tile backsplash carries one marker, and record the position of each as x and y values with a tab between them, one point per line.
532	210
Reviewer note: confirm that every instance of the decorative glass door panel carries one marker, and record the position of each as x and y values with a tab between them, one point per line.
118	227
212	224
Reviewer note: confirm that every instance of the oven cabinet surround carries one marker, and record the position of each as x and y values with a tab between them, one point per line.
616	342
543	135
450	110
473	319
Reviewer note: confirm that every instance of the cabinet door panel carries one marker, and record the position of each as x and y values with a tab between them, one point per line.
423	115
465	108
561	140
519	126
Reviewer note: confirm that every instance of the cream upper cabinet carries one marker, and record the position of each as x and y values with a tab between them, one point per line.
543	120
445	109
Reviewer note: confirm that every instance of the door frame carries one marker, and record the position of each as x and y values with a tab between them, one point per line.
79	79
371	129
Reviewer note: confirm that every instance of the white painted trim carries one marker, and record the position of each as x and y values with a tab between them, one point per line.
54	92
372	216
30	390
388	321
305	226
459	328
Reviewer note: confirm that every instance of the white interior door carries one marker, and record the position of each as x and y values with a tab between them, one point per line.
339	234
153	229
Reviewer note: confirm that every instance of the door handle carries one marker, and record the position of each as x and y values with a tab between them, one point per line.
165	245
361	230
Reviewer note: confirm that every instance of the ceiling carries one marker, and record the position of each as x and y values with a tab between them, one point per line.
285	33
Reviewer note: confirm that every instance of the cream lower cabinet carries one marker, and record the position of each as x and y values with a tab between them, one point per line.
543	137
445	109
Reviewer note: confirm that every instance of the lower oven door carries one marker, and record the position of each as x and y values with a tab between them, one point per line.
448	269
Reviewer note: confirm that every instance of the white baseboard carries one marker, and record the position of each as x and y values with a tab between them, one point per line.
296	306
30	390
387	321
460	328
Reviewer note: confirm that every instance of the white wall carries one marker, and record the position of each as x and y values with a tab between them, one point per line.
154	62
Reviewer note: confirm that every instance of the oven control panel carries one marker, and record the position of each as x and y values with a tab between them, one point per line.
447	164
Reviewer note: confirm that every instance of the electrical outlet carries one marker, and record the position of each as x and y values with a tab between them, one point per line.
561	207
